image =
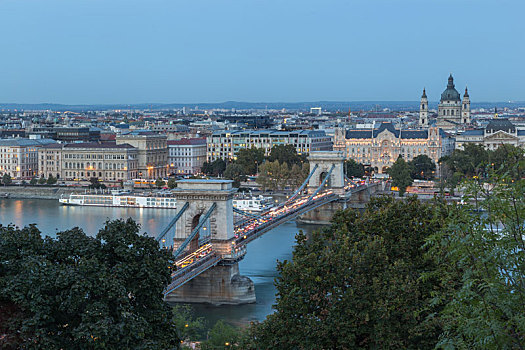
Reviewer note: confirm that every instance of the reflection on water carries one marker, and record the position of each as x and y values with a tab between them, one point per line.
51	217
259	264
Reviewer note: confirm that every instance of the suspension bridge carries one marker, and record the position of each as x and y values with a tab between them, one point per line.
207	243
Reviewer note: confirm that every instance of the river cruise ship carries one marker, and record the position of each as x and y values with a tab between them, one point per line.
253	204
121	200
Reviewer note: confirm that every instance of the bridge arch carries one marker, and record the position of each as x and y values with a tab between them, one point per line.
324	163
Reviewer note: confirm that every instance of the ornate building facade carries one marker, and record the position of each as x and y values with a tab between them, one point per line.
380	147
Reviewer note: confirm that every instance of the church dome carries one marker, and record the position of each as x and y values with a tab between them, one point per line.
450	94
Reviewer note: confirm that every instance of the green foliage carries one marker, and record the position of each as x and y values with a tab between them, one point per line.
236	173
275	175
51	180
286	154
250	159
6	179
187	326
33	181
160	183
423	168
215	168
357	284
468	161
484	254
172	183
222	336
81	292
42	180
400	174
95	183
353	168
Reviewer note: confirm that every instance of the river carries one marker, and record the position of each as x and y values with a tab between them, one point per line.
259	264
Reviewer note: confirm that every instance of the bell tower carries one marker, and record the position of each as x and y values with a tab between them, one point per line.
423	110
465	108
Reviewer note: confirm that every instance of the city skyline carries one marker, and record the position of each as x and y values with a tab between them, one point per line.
129	52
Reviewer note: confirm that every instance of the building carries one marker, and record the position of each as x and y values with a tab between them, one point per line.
226	144
452	112
186	156
380	147
19	157
65	134
50	160
108	162
497	132
152	152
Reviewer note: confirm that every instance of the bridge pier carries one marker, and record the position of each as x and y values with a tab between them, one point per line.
323	214
220	285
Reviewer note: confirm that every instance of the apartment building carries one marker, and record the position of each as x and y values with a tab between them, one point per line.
226	144
186	156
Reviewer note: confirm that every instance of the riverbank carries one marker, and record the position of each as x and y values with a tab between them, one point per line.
37	192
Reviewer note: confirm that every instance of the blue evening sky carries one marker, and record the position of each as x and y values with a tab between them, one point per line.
134	51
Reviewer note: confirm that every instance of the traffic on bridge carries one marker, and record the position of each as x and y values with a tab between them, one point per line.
190	264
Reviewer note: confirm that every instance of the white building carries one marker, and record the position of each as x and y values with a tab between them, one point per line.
498	132
226	144
186	156
19	157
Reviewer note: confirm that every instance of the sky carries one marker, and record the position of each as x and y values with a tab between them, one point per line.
171	51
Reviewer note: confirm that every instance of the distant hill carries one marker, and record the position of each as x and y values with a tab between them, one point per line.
291	106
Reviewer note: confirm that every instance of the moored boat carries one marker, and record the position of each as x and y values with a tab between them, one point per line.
121	200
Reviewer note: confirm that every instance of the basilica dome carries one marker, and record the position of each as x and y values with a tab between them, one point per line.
450	94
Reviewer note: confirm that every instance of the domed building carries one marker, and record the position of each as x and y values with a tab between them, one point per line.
452	111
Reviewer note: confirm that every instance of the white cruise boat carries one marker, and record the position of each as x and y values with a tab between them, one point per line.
253	204
120	200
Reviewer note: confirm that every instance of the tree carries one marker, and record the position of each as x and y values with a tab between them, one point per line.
400	174
215	168
358	283
6	179
222	336
353	168
286	154
33	181
423	167
160	183
487	252
42	180
250	159
269	175
95	183
51	180
172	183
236	173
468	161
188	327
80	292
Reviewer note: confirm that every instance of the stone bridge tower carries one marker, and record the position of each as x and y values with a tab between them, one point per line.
223	283
201	195
324	161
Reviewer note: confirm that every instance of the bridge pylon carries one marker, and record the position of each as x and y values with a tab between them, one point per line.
208	218
321	162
